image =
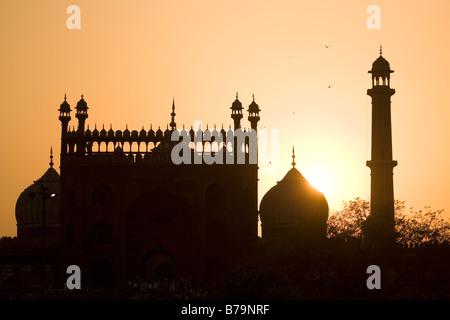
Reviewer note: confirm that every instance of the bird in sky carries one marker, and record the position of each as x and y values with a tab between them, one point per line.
327	46
330	86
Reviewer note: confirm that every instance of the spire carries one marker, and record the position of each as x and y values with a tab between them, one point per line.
173	125
293	157
51	157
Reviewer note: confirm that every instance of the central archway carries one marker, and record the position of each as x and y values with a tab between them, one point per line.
158	219
101	271
159	265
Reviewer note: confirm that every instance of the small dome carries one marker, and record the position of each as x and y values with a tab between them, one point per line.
253	107
236	105
143	133
294	208
103	132
30	206
65	106
151	134
95	133
159	134
167	134
82	105
110	132
381	65
126	132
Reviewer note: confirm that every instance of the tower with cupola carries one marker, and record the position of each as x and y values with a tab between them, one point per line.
379	227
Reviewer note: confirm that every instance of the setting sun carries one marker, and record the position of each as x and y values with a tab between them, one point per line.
321	177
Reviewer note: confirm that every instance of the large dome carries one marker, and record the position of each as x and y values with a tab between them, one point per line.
30	206
294	208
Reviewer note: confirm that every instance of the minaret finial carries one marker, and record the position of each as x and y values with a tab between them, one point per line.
293	157
173	125
381	49
51	157
64	97
236	95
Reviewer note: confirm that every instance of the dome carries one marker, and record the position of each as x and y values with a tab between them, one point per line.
253	107
82	105
30	206
65	106
236	105
381	65
294	208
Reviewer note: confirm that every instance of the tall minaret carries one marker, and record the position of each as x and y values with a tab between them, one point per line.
253	114
379	227
236	112
64	117
81	115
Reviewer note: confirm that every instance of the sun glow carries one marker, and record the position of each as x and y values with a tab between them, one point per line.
320	181
321	178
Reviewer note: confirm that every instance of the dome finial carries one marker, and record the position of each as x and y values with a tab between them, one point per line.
173	125
293	157
51	157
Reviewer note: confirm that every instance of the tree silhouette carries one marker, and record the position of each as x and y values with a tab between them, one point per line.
412	228
282	269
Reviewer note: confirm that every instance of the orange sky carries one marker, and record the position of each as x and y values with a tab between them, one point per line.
130	58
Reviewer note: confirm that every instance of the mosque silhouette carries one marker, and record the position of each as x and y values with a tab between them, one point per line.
121	210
